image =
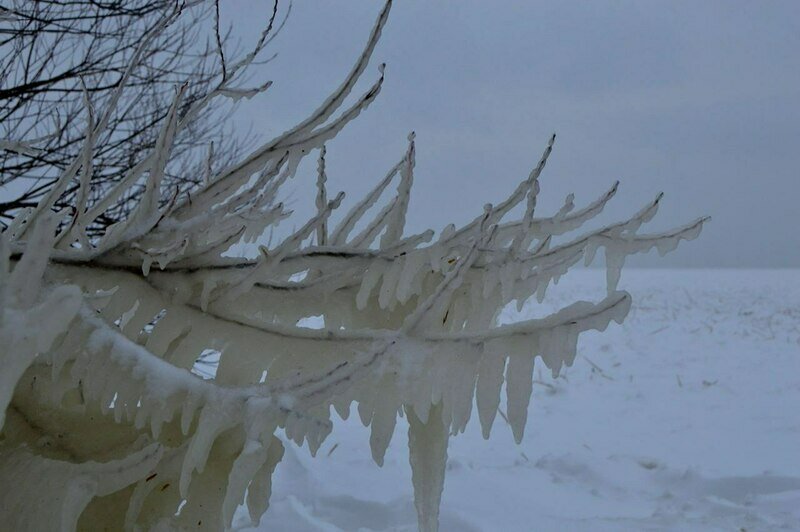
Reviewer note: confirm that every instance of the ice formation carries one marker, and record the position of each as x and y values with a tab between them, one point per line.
104	420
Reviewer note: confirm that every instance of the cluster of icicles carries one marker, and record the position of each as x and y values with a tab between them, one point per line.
106	425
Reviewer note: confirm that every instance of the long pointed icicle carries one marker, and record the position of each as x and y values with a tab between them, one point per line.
427	454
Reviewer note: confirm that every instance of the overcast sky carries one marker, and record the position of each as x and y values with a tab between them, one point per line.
698	99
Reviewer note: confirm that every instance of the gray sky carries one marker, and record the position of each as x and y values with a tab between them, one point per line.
698	99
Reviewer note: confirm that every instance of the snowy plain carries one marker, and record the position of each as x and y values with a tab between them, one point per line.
685	418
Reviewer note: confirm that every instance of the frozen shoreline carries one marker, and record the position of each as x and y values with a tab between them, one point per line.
686	417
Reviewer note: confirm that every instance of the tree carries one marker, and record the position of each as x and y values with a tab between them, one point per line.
55	55
99	346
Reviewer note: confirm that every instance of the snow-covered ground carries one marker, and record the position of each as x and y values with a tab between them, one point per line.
687	417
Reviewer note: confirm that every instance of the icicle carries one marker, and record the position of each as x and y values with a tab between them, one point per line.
384	418
213	421
462	386
371	278
490	381
412	266
427	445
422	393
252	457
519	385
366	408
342	405
615	260
260	489
386	296
190	405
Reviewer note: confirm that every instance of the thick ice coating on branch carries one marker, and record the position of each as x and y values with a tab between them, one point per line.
172	362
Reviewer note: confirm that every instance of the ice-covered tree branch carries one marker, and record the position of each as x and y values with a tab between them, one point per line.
104	326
